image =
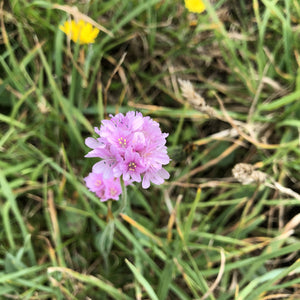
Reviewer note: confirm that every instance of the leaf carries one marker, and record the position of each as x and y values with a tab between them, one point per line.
141	279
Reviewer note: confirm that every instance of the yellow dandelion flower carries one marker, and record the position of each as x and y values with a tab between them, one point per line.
195	6
81	32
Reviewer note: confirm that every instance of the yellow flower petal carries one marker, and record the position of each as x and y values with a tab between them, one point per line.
81	32
196	6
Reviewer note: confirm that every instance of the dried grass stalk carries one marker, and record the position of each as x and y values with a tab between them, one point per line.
194	99
246	173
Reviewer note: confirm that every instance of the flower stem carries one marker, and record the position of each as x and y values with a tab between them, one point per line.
123	198
109	215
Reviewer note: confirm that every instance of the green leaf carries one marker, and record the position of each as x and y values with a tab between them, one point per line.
141	279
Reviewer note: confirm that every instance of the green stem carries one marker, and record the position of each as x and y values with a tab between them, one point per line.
123	198
75	82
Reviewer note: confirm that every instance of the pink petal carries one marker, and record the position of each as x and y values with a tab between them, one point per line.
93	143
146	182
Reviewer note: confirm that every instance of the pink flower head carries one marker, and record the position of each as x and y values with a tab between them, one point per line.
131	167
104	188
131	146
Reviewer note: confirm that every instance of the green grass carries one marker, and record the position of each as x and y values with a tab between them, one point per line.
202	234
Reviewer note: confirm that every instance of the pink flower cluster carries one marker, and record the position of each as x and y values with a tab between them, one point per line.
132	147
104	188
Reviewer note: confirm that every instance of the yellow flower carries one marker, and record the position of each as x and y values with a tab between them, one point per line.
81	32
196	6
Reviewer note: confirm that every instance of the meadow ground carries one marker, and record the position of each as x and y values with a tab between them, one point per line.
225	85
